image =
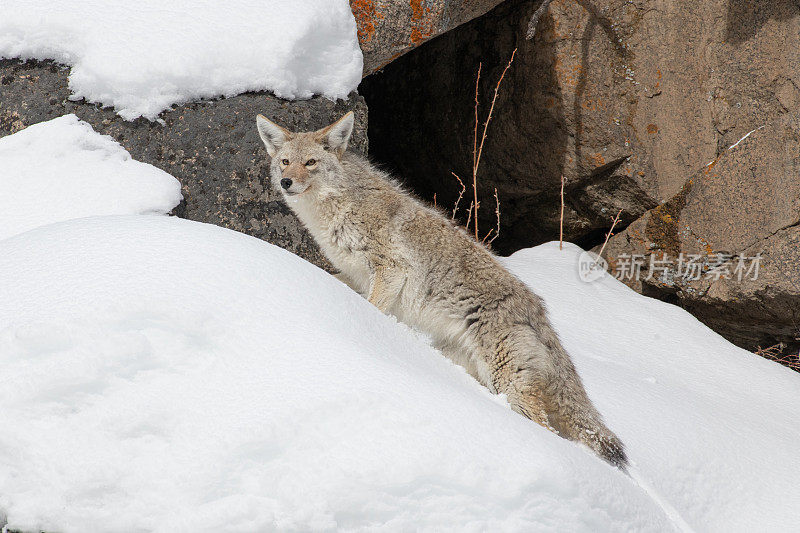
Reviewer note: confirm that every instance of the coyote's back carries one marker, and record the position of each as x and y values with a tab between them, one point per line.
410	260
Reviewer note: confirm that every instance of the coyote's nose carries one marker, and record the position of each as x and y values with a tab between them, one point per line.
286	183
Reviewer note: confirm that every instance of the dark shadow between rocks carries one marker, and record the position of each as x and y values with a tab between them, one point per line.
746	17
422	120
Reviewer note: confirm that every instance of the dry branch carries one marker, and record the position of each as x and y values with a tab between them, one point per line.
476	157
469	214
460	194
561	220
775	353
608	235
477	152
497	213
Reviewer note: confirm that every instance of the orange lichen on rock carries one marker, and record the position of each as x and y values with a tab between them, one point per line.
422	23
592	105
662	225
365	14
568	75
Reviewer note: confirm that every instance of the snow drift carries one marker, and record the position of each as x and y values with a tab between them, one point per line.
143	57
165	375
62	169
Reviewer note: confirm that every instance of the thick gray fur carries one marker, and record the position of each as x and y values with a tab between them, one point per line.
411	261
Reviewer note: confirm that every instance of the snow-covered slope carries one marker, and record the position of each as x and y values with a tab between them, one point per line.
712	429
174	376
144	56
62	169
164	375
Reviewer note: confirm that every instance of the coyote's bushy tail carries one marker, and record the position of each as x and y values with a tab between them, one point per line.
572	415
547	389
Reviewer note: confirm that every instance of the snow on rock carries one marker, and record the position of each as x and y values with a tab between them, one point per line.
142	57
158	374
63	169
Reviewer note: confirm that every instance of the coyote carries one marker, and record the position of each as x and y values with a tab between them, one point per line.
410	260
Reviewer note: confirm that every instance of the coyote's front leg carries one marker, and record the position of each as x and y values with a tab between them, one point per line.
385	285
347	280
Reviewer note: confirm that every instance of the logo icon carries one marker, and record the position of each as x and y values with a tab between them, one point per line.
591	267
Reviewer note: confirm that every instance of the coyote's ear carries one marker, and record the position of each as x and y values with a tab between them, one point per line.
336	136
273	135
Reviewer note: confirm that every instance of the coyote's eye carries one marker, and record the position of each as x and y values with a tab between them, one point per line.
311	162
285	162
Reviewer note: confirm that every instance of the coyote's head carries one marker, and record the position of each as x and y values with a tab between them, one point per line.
301	160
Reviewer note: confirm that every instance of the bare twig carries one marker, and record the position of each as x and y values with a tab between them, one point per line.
772	351
496	212
469	215
477	157
460	194
477	151
561	220
434	199
535	19
609	234
775	353
475	131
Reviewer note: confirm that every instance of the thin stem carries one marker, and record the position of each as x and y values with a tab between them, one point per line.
460	194
497	212
609	234
477	158
561	221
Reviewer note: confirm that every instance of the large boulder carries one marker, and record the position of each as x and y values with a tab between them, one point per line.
627	100
727	246
624	99
389	28
212	147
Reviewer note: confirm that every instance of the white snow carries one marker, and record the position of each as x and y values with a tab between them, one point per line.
62	169
158	374
711	428
144	56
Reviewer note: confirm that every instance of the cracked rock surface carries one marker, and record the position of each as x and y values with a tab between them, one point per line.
625	99
745	203
212	147
389	28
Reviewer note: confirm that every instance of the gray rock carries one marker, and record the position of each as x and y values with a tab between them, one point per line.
212	147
